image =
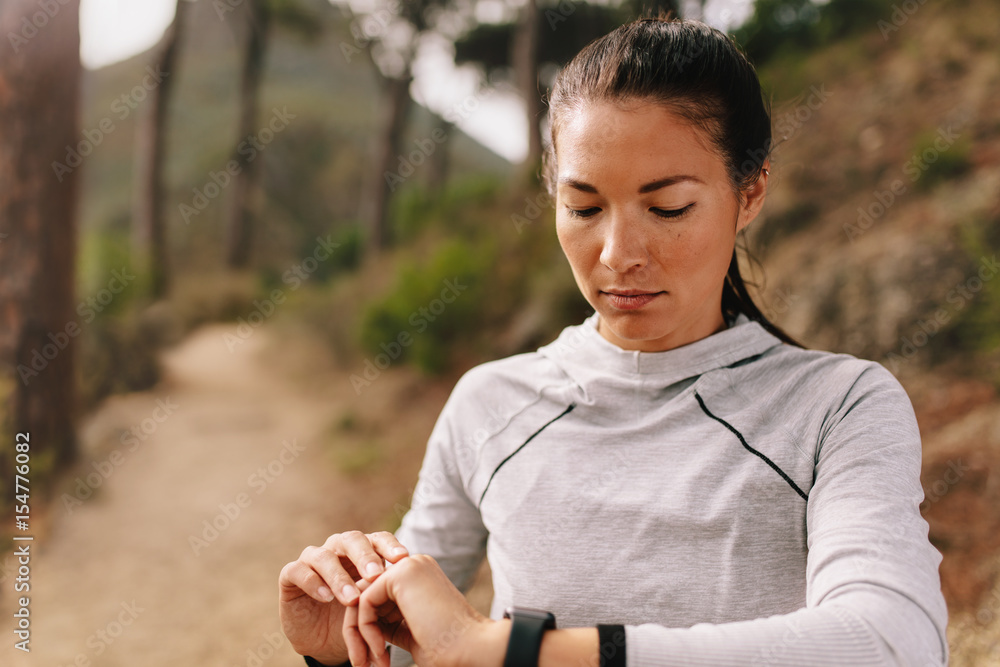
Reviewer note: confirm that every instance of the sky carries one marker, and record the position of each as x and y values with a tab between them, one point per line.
113	30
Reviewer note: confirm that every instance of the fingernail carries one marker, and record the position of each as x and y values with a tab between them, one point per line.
398	551
349	592
325	594
372	569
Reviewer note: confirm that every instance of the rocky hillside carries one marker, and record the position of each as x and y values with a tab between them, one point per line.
881	239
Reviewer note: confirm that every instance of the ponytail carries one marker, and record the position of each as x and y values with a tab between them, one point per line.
736	300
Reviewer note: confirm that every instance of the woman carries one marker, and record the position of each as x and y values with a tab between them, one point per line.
673	479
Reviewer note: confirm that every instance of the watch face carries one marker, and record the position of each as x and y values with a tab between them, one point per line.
535	614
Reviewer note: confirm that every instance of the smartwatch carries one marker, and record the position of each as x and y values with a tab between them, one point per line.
526	630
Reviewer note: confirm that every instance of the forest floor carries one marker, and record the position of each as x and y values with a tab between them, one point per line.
164	545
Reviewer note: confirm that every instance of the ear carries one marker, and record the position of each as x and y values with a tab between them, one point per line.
753	199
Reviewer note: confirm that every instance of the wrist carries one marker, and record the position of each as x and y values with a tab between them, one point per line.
486	646
497	642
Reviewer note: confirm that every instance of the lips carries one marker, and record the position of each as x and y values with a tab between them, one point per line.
629	299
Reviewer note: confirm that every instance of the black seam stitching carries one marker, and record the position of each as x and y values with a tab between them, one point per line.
509	456
750	449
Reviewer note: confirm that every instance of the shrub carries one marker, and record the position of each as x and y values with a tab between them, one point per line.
431	309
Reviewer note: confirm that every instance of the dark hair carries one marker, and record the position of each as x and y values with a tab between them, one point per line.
699	73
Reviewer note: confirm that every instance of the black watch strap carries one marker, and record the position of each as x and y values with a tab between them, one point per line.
313	662
526	630
611	645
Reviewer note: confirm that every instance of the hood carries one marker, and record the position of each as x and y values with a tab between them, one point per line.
598	366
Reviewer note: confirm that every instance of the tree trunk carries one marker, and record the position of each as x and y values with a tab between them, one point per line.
242	209
439	163
387	175
39	101
148	233
525	63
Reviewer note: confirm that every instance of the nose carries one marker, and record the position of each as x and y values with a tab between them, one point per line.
624	245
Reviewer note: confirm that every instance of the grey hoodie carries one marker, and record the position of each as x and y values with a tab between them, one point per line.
735	501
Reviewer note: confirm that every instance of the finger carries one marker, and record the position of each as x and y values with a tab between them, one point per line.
357	649
356	546
369	622
326	563
388	546
389	613
297	578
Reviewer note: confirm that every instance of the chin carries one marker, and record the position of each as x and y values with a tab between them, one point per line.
637	327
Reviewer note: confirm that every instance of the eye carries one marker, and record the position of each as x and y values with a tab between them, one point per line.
583	212
671	213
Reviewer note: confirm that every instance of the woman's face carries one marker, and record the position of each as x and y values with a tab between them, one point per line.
647	217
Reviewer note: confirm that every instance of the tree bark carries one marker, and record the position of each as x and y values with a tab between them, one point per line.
525	57
149	236
439	163
242	209
396	108
39	101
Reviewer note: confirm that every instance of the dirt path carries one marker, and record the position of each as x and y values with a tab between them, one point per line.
133	574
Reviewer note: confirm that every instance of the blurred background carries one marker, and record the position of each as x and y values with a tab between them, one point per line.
248	246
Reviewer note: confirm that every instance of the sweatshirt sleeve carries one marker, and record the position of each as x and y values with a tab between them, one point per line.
873	594
442	521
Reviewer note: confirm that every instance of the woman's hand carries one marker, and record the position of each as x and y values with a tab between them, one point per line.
315	590
414	606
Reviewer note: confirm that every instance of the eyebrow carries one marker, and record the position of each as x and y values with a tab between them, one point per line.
648	187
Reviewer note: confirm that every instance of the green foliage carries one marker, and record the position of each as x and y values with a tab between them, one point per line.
975	301
350	250
434	306
412	211
116	354
308	266
936	163
297	18
358	458
115	351
459	210
799	216
103	254
799	26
